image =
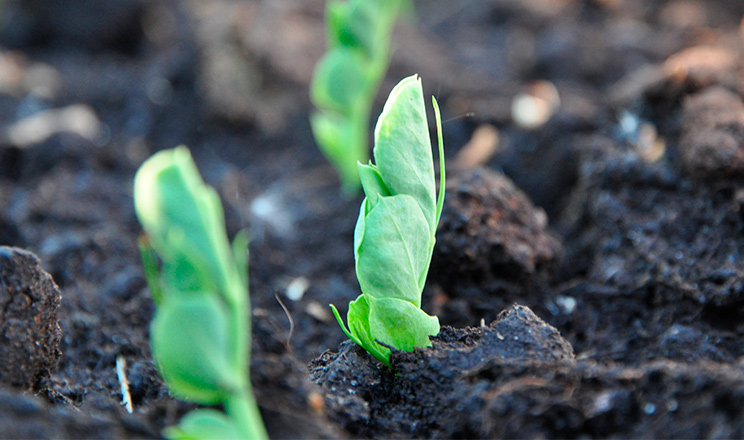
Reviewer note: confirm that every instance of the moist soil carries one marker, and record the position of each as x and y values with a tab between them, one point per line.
588	272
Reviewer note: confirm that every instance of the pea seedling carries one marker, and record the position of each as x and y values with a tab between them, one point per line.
201	330
395	233
347	78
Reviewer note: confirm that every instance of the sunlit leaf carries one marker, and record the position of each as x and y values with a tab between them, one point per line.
403	150
394	250
401	324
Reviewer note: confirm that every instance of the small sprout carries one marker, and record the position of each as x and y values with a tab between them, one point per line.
201	330
395	233
347	78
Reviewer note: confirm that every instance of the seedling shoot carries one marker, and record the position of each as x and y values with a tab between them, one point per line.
201	330
395	232
346	80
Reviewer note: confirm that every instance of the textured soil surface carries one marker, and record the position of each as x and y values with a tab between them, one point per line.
29	300
589	270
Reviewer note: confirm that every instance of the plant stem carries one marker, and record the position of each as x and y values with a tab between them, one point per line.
243	409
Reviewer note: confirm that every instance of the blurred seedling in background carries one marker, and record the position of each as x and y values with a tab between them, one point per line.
200	334
347	78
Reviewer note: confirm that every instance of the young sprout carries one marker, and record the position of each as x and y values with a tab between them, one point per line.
201	330
395	233
347	78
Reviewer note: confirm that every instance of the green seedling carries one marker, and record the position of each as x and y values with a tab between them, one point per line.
347	78
201	330
395	233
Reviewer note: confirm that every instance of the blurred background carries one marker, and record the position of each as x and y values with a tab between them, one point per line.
90	88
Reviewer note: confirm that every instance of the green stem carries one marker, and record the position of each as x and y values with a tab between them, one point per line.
243	410
357	121
442	179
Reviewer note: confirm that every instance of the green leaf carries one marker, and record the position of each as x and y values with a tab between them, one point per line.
400	324
336	15
184	271
343	326
365	25
358	318
340	80
191	344
394	249
372	183
240	254
403	149
442	174
184	222
357	26
359	229
152	269
203	424
336	139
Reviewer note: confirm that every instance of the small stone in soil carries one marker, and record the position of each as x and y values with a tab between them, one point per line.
29	330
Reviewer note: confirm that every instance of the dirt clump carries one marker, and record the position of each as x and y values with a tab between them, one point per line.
519	378
435	392
29	329
712	139
701	66
492	242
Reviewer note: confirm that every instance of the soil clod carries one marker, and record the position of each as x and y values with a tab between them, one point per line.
712	140
29	330
417	396
492	242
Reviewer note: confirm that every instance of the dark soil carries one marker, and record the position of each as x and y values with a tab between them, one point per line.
518	378
615	220
437	392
